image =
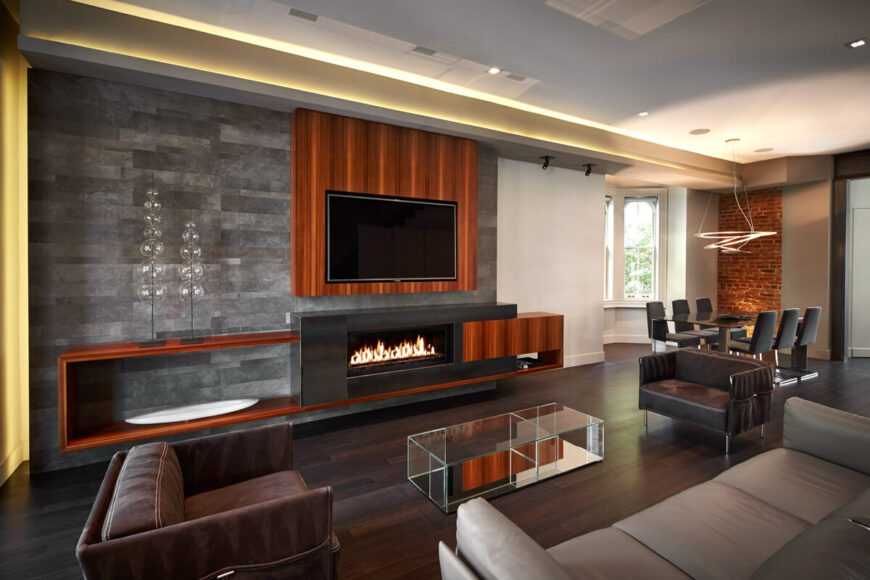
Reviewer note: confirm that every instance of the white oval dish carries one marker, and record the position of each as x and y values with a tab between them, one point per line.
188	412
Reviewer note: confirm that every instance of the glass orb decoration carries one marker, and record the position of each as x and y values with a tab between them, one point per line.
152	205
151	220
191	290
151	247
191	252
190	236
152	292
152	232
151	268
191	270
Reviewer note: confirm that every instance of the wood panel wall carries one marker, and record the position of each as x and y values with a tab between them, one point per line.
330	152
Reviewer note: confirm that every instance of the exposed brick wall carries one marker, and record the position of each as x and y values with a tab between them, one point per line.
752	281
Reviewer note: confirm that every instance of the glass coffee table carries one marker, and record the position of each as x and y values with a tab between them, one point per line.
492	456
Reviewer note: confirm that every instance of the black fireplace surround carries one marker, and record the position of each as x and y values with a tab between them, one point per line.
321	372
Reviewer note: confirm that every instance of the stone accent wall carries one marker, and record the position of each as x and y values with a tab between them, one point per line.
752	281
94	147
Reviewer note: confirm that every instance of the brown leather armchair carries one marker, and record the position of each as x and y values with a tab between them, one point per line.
214	507
725	393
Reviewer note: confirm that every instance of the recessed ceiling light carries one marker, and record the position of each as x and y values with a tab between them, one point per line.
699	131
494	70
643	114
857	43
764	150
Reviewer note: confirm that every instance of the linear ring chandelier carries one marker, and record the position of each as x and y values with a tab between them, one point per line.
732	242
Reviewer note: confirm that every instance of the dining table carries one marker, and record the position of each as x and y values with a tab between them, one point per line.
726	320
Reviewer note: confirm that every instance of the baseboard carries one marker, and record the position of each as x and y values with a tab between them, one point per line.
626	339
589	358
860	352
15	458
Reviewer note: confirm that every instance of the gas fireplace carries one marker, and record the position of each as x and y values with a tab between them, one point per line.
388	350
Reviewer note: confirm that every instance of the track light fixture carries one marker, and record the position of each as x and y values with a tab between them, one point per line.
588	167
546	159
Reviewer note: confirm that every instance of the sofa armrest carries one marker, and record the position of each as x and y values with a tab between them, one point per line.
452	568
746	384
291	536
657	367
220	460
836	436
497	549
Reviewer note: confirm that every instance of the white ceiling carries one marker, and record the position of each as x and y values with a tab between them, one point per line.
774	73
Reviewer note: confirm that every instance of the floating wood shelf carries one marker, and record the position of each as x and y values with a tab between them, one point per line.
72	439
535	332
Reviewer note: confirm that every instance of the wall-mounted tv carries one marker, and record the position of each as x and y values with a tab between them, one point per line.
373	238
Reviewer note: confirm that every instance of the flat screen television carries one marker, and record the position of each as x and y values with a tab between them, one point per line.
372	238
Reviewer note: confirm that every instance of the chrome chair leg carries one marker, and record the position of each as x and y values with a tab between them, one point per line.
762	430
645	418
776	357
727	444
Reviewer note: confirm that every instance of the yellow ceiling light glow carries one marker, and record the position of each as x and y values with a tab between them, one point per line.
339	60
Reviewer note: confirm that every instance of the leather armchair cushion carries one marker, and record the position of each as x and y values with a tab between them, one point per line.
835	548
452	568
246	493
708	368
497	549
149	492
611	553
800	484
713	530
706	406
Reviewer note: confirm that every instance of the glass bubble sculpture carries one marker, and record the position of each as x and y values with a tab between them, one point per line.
149	273
191	270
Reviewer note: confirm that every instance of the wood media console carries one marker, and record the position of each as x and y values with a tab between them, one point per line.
468	343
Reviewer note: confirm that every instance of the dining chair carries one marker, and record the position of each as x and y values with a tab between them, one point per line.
705	305
658	329
809	327
710	335
762	336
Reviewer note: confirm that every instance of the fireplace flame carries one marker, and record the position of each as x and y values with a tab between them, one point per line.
406	350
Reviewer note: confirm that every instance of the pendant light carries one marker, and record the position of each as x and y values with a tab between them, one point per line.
732	242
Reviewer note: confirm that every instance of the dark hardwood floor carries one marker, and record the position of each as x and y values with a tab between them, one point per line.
388	529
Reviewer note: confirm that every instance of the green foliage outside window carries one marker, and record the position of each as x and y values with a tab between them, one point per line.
640	244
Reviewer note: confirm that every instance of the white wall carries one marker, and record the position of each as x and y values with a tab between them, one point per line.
859	275
806	213
676	244
551	250
701	269
625	324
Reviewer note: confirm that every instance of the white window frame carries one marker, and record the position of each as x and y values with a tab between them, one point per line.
618	265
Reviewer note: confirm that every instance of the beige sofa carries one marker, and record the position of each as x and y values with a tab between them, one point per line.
802	511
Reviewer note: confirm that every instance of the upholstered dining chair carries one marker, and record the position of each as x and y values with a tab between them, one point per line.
706	305
762	336
786	334
809	326
709	335
658	329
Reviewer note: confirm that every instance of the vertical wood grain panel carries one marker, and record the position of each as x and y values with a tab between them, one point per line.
344	154
486	339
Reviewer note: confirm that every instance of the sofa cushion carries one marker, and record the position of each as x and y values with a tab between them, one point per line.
253	491
802	485
693	402
713	530
857	510
710	368
611	553
835	548
148	494
497	549
837	436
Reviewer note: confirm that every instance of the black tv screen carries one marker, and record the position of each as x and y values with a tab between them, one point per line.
372	238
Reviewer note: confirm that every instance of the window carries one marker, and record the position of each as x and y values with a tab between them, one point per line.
640	219
608	248
633	266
